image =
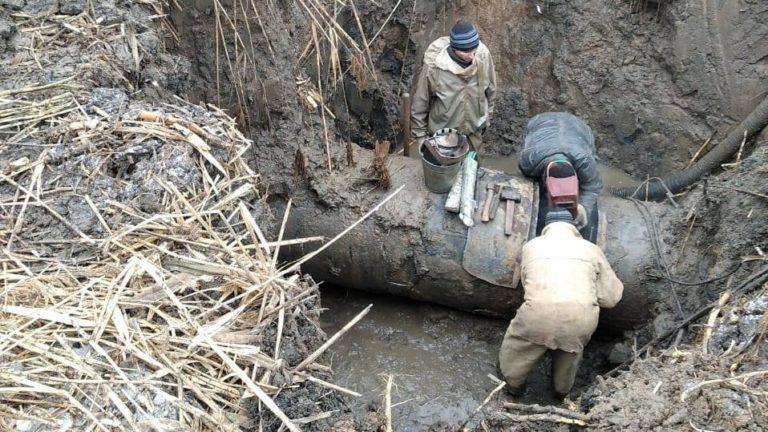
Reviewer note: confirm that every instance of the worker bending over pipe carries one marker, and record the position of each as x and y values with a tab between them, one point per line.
566	280
560	145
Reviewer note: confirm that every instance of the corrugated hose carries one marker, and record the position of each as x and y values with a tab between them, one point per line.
660	187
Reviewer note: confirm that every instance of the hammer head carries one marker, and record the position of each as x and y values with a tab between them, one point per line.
510	194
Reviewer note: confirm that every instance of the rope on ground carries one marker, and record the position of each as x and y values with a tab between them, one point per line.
729	272
652	228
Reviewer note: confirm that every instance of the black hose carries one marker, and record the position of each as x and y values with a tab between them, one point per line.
754	123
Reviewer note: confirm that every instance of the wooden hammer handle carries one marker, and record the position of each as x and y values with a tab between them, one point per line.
485	216
510	217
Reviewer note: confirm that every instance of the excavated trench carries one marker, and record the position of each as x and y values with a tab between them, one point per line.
439	357
562	58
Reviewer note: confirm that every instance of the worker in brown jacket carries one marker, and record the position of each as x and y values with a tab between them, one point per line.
455	88
566	280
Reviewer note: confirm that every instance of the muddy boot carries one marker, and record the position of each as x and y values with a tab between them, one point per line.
515	392
512	391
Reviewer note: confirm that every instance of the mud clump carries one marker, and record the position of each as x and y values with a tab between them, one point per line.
649	397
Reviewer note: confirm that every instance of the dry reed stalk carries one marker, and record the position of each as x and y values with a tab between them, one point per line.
154	317
143	329
297	265
483	404
366	45
388	402
312	357
322	103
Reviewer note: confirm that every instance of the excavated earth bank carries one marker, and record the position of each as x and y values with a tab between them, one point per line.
655	80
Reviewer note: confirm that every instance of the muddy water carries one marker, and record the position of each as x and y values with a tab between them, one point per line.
612	177
440	358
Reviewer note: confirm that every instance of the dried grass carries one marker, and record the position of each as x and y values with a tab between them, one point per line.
159	327
157	323
160	324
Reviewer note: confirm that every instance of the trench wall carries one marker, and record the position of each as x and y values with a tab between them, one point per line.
653	80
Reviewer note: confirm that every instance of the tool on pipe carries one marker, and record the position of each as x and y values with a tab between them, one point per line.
491	203
489	195
498	187
512	197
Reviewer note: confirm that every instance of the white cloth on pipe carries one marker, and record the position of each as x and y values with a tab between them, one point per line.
468	203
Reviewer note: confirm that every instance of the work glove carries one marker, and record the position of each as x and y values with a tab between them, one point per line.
581	217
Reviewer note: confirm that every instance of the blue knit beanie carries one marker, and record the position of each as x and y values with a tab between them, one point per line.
558	215
464	36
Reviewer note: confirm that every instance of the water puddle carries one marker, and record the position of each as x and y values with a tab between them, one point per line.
440	358
612	177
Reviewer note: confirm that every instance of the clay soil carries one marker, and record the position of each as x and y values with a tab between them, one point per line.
656	80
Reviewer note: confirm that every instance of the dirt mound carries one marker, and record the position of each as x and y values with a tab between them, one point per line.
715	378
679	392
683	388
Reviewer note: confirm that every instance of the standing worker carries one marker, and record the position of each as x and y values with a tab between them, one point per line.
566	281
455	87
561	144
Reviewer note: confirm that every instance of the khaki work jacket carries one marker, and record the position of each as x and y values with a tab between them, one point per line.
448	95
567	280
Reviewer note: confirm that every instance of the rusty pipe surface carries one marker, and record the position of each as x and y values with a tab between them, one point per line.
413	248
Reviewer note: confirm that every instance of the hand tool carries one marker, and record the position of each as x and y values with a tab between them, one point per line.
490	193
512	197
497	188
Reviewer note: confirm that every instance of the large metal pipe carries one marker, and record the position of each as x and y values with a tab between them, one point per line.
413	248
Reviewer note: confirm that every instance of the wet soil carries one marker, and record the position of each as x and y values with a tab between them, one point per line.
654	83
612	177
653	79
439	358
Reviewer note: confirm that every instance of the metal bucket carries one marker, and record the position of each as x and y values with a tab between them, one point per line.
438	178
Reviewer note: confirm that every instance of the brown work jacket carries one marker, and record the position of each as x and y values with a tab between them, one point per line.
449	96
567	280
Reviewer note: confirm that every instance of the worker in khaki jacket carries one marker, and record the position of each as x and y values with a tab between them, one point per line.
566	280
455	88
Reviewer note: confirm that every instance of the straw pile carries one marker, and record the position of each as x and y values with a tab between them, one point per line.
138	289
157	324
